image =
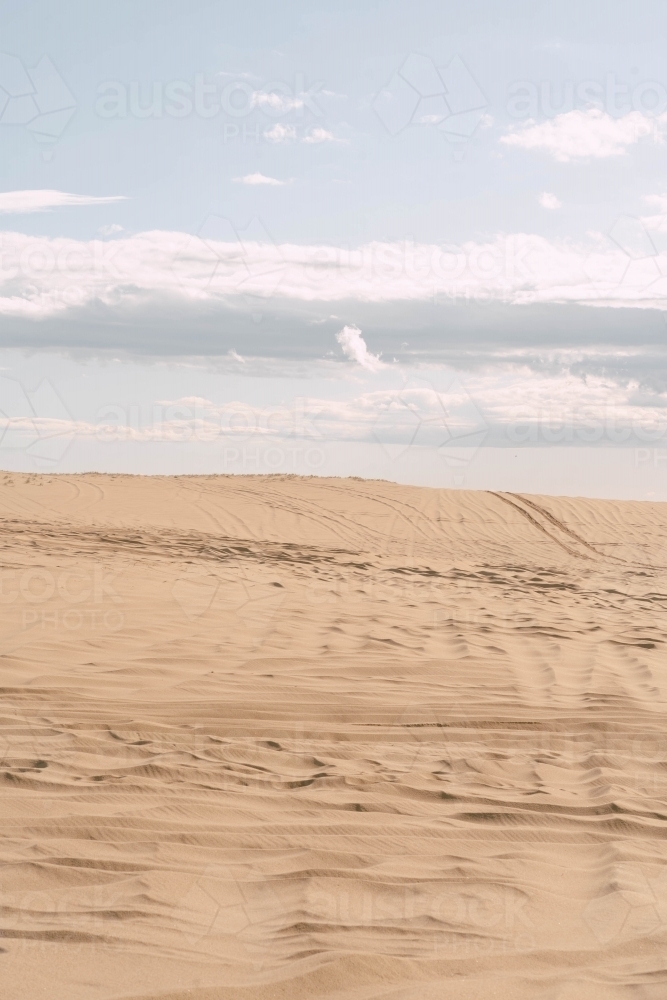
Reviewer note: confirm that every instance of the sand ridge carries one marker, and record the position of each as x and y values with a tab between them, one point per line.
297	737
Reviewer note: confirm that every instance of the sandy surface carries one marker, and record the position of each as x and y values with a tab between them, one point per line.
270	738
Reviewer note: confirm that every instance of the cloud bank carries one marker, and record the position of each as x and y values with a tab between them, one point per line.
171	293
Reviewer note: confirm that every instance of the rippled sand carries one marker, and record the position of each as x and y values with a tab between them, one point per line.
270	738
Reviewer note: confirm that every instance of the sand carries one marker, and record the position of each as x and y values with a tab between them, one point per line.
276	738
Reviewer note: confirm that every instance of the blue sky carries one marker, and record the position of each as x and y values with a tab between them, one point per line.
436	231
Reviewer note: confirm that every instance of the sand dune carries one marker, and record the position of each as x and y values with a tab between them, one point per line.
270	737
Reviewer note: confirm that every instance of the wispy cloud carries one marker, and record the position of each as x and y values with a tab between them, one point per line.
22	202
580	135
257	178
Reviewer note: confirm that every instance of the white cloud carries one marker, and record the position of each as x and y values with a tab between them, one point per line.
280	133
111	230
354	348
208	269
197	281
657	222
549	201
319	134
258	178
578	135
276	103
20	202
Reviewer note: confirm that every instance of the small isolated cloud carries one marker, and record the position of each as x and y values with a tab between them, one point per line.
236	76
280	133
111	230
354	348
319	134
258	178
579	135
550	201
20	202
275	102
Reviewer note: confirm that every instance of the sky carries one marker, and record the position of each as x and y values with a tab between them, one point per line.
419	242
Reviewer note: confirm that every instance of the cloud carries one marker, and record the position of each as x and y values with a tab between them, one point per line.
276	103
39	275
172	293
280	133
111	230
354	348
319	134
579	135
503	406
21	202
657	222
236	76
258	178
549	201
